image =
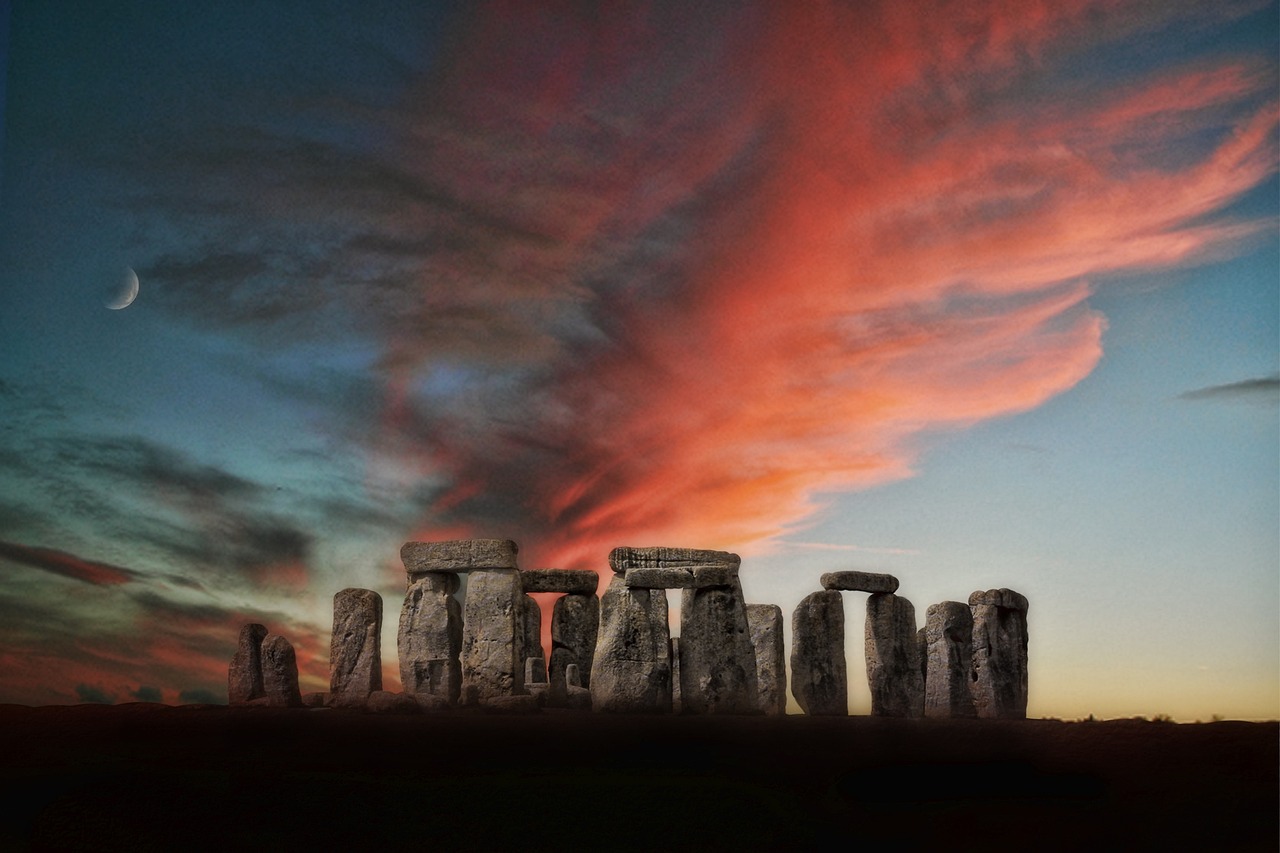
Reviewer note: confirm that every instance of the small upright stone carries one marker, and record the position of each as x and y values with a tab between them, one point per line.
998	683
859	582
893	658
493	635
355	652
764	621
631	670
717	659
458	555
244	676
819	677
622	559
429	640
575	623
571	581
948	633
280	673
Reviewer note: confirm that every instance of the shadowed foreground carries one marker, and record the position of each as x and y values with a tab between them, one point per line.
149	777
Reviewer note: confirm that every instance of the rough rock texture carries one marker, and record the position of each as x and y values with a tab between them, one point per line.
893	658
280	673
998	682
948	635
575	621
244	676
531	644
535	672
430	637
458	555
677	705
621	559
315	700
764	621
819	678
859	582
493	636
386	702
355	653
631	670
717	659
682	577
1006	598
522	704
573	581
922	649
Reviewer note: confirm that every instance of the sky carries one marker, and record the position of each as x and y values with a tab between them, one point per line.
980	294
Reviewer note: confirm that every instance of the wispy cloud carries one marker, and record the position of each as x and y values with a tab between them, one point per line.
67	565
1263	390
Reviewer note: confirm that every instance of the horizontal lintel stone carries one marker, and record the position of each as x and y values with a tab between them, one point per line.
624	558
458	555
1005	598
572	581
681	577
859	582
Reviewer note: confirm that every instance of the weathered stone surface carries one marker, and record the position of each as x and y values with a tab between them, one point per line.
386	702
458	555
523	704
244	676
1006	598
315	700
575	621
677	703
572	581
431	703
430	637
948	637
682	577
998	683
764	621
355	653
493	635
631	670
531	645
535	672
572	676
819	677
893	658
859	582
446	582
621	559
717	659
280	673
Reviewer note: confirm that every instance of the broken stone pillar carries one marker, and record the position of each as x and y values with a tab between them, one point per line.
531	647
764	621
893	658
280	673
631	669
819	679
493	635
355	654
430	637
717	658
948	632
575	621
244	676
998	682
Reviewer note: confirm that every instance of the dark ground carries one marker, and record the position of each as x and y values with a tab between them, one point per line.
149	777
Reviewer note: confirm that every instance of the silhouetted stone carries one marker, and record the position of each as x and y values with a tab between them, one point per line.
819	678
458	555
717	659
386	702
572	581
622	559
922	649
244	675
280	673
493	635
355	654
682	577
859	582
315	700
893	658
948	634
764	621
631	670
998	683
575	622
429	640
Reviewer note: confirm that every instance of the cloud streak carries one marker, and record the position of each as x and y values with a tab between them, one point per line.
67	565
1265	389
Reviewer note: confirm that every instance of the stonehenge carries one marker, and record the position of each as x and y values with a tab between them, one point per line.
481	645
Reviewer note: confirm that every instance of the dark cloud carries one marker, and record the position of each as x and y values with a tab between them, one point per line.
94	695
201	696
135	460
67	565
1264	390
147	694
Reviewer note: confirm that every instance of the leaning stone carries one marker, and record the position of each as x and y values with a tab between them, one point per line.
458	555
575	623
764	621
429	640
572	581
531	645
948	634
315	700
682	577
621	559
893	658
244	676
280	673
386	702
1006	598
631	670
355	654
717	659
493	634
998	683
859	582
819	678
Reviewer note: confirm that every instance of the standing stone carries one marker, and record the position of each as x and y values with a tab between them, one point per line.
430	637
717	659
631	669
280	673
948	631
893	658
998	682
531	647
244	676
355	653
677	703
493	636
575	621
819	679
764	621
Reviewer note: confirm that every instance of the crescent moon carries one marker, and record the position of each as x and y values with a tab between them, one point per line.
126	292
